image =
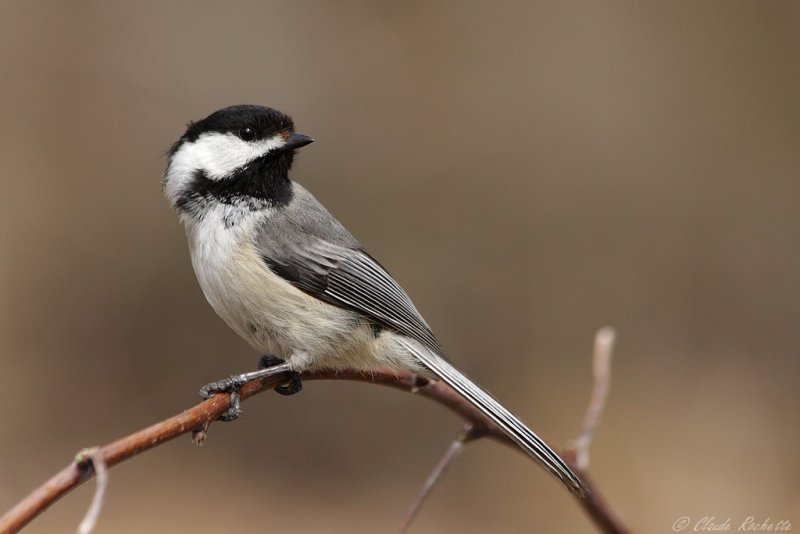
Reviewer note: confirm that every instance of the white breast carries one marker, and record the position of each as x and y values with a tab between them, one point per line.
271	314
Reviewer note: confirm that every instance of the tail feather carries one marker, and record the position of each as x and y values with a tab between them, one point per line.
505	420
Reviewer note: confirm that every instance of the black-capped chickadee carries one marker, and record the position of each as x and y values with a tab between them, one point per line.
290	279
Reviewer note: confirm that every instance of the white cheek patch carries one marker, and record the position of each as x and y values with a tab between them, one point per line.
216	154
220	154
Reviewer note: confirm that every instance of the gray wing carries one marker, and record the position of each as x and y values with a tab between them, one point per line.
304	244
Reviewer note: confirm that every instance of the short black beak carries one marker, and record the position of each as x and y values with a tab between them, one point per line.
297	140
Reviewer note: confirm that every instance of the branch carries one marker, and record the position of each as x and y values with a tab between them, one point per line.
198	418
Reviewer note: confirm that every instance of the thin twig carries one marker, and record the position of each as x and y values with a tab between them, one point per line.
199	417
466	435
601	366
101	471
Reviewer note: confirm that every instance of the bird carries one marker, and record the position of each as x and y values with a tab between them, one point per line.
291	280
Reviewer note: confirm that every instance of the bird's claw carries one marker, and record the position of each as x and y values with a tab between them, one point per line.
231	385
294	385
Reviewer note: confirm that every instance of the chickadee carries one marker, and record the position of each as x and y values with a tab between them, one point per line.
290	279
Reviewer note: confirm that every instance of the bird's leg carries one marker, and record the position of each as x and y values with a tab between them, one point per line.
294	385
234	383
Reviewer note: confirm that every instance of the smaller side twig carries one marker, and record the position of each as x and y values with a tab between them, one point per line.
467	434
95	456
601	366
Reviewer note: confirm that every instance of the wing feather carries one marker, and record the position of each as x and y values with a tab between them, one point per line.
346	277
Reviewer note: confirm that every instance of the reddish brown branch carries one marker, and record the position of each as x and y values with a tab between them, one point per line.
197	419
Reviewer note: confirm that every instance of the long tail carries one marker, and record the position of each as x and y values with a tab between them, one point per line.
508	422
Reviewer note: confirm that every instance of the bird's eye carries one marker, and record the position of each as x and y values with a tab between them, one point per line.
247	134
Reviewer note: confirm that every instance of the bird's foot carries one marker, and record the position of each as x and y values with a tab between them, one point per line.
233	385
294	384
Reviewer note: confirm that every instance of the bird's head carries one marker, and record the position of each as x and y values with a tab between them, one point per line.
239	153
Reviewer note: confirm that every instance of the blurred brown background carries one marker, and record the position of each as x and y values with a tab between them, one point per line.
529	172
